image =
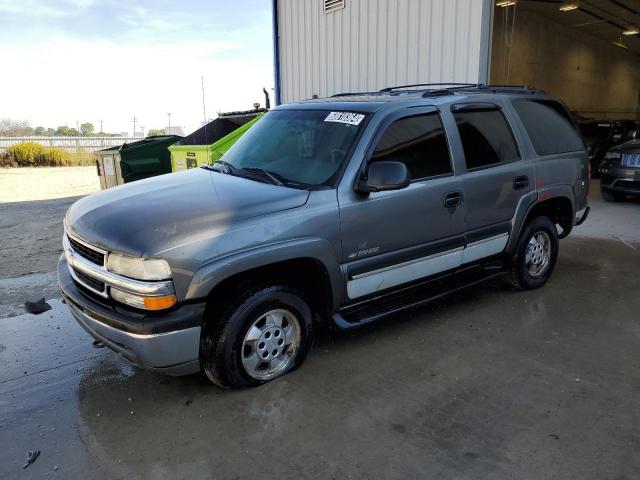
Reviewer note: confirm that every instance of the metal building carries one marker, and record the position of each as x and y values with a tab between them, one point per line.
324	47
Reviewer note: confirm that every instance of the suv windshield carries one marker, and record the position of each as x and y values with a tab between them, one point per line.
301	148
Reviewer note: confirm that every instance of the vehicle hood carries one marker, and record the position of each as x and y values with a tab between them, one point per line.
632	146
145	217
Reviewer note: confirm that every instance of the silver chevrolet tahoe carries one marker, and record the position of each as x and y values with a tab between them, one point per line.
339	211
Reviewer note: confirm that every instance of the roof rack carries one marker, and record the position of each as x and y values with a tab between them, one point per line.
453	84
448	88
509	89
351	94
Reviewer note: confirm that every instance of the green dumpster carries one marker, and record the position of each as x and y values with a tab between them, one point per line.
134	161
207	144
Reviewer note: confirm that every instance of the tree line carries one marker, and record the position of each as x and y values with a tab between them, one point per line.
21	128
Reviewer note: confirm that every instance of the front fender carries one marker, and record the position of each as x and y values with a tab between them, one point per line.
219	269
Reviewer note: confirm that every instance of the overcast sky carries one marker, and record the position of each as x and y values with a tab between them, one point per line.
84	60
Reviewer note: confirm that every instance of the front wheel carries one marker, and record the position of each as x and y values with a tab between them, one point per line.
535	255
266	333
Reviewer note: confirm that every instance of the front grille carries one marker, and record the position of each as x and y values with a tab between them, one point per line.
627	185
89	281
88	253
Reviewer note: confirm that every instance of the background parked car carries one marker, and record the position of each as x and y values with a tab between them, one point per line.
600	135
620	172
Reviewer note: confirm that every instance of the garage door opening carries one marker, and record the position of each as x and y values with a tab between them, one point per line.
586	52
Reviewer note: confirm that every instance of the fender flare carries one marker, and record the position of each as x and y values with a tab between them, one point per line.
529	202
211	274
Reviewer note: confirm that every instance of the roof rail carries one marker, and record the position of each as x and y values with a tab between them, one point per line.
446	88
351	94
509	89
444	84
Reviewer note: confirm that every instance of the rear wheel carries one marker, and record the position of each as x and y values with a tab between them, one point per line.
609	196
266	333
535	256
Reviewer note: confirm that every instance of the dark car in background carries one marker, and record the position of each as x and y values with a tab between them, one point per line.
600	135
620	172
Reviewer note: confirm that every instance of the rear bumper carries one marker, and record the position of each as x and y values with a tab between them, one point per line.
168	342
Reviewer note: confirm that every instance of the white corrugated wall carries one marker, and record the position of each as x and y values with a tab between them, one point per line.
372	44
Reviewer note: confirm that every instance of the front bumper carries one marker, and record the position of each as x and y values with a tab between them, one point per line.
620	179
168	341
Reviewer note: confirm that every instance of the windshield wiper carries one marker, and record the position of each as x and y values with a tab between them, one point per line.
270	175
225	167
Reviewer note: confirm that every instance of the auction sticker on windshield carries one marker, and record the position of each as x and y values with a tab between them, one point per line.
350	118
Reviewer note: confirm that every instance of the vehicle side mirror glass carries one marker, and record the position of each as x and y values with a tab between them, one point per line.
384	176
633	134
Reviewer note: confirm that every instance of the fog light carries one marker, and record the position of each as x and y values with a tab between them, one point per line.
144	303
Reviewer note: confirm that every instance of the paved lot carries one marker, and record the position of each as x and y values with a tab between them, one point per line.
488	384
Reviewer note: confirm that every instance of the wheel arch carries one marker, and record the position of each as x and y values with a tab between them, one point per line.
556	203
309	265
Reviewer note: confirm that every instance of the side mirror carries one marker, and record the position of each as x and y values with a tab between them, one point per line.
384	176
633	134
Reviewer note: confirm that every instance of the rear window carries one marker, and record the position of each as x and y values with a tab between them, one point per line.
548	126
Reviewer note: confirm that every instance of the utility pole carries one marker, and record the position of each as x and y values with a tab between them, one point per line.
142	130
169	126
101	131
134	120
204	109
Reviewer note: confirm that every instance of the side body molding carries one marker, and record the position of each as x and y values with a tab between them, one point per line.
219	269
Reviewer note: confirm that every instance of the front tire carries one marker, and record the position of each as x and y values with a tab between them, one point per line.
265	334
535	256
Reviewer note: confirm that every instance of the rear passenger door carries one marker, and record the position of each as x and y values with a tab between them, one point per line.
496	176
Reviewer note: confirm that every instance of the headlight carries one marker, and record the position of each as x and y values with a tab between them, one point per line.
145	303
139	268
613	156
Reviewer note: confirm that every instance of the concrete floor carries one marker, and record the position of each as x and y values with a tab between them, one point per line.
488	384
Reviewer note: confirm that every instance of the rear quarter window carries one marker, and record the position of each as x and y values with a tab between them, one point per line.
548	126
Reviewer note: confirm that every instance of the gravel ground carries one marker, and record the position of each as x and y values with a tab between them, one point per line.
33	202
46	183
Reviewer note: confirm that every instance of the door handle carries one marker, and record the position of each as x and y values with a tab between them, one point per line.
452	199
520	182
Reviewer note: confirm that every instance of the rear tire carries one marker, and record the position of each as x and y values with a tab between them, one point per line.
266	333
535	255
611	196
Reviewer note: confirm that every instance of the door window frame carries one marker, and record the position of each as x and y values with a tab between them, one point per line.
382	127
462	107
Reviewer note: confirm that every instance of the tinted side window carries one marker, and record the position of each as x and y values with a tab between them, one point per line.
486	138
419	142
549	131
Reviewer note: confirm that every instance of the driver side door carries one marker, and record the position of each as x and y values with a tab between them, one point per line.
395	237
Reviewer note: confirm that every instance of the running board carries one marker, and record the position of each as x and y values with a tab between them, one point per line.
362	313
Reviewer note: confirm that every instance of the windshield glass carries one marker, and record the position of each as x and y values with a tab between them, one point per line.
300	147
